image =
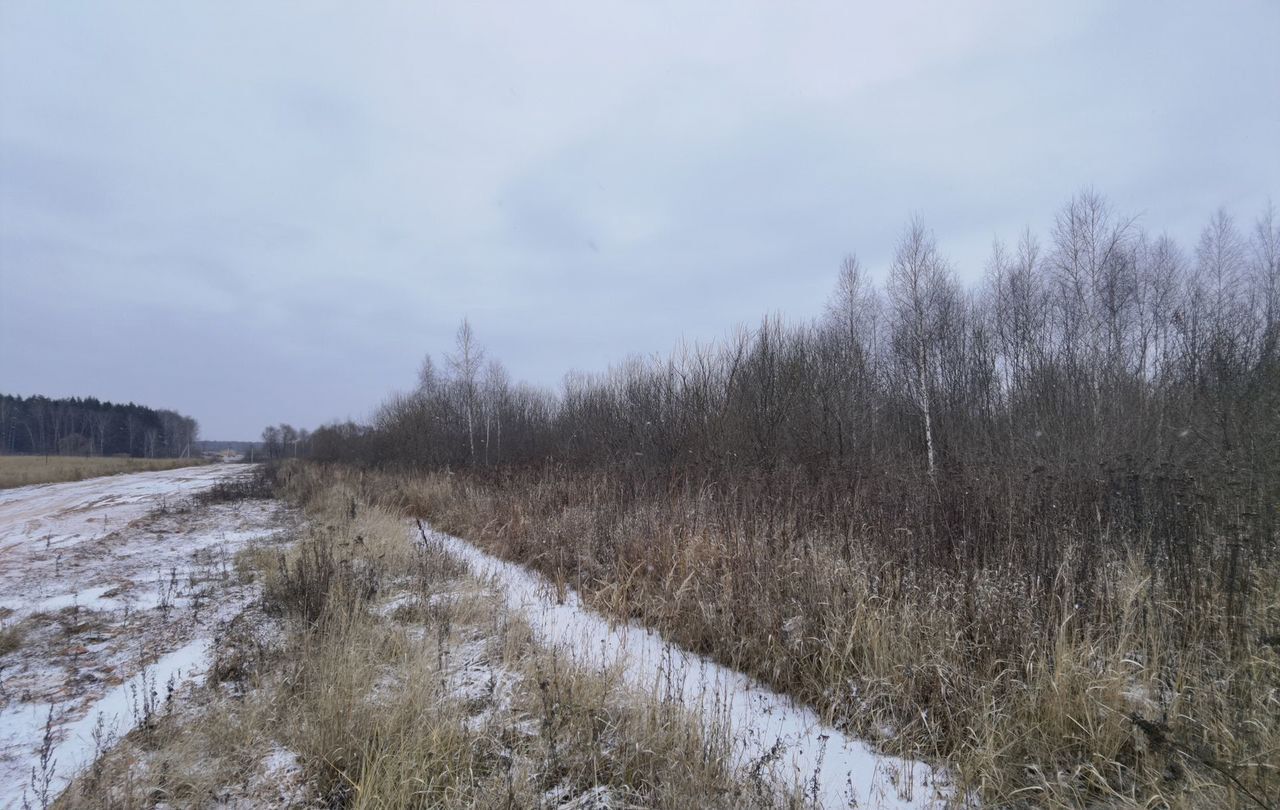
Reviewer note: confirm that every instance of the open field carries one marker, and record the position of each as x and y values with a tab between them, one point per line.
22	471
101	580
178	637
181	638
376	672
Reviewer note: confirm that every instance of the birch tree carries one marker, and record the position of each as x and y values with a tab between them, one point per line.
920	291
465	363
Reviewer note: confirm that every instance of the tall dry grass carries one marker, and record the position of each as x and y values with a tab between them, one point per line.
365	679
22	471
1126	697
419	745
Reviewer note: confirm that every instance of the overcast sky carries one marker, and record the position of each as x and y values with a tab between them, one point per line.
263	212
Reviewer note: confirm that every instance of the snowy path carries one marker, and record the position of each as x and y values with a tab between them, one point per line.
64	514
772	734
115	585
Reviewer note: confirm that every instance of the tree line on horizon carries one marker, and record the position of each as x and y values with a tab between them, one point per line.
87	426
284	441
1103	380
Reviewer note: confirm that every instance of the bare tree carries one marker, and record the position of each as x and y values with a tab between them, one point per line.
852	322
494	400
271	441
465	363
1019	308
1088	242
920	291
288	439
1265	264
428	377
1220	257
854	306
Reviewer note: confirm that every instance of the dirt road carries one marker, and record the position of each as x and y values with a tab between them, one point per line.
109	591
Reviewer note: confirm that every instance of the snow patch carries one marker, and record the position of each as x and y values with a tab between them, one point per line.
92	599
772	735
404	600
597	798
152	583
109	718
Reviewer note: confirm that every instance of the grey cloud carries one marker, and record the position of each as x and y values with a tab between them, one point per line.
57	185
257	214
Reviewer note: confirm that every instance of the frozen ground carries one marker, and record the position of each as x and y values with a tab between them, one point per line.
114	586
64	514
773	736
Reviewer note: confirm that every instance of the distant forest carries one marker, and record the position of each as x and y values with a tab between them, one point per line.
207	445
92	427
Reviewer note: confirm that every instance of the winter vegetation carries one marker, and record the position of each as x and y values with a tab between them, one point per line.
1008	545
1025	528
310	652
284	441
622	405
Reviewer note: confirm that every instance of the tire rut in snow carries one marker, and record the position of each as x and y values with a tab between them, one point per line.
772	736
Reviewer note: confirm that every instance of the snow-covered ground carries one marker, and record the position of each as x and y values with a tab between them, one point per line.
116	585
59	516
772	734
